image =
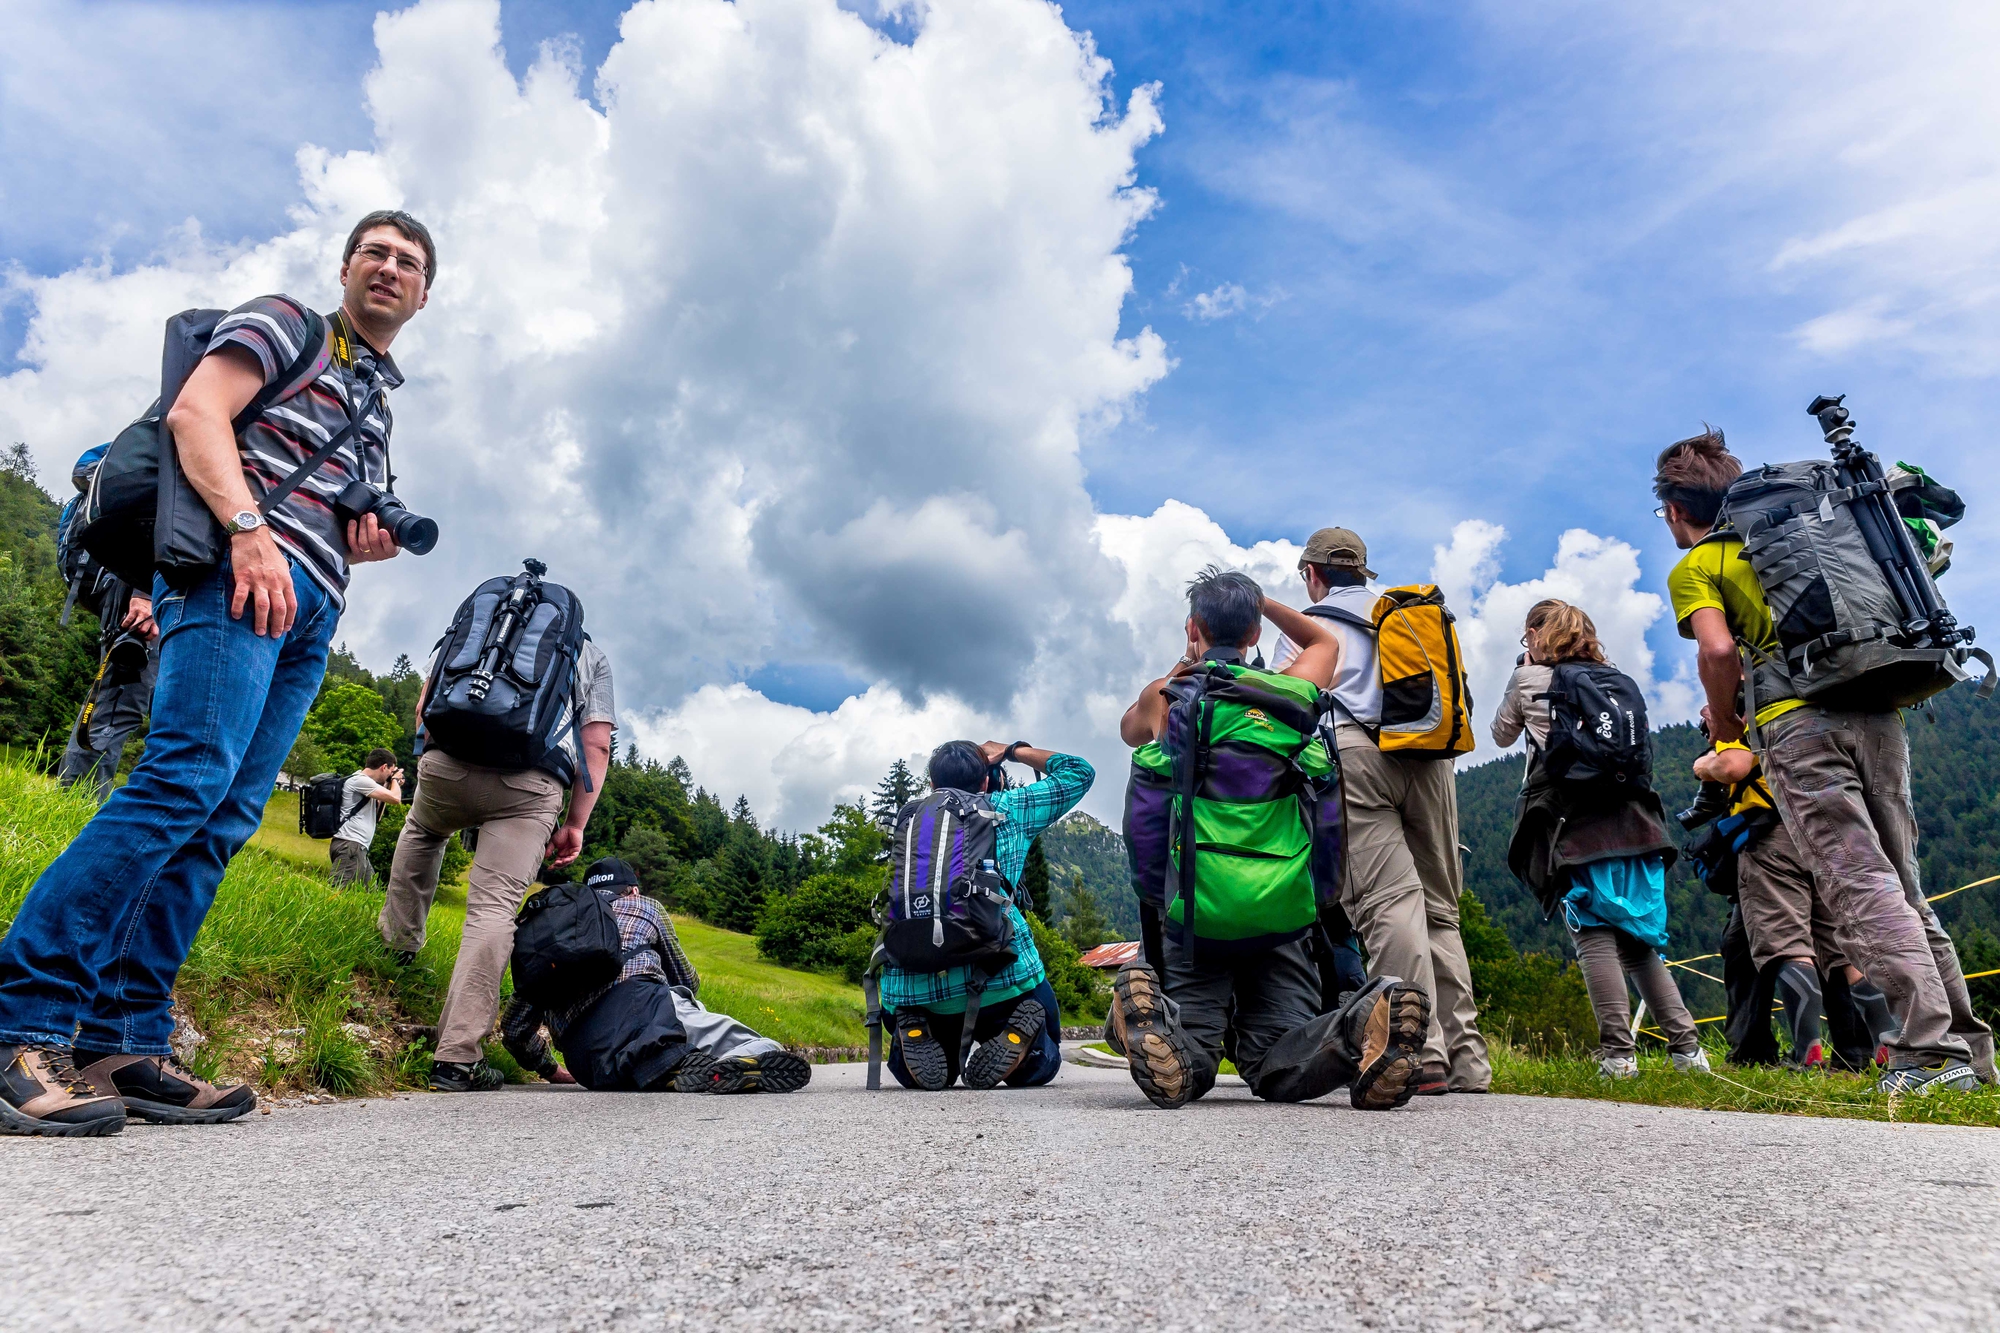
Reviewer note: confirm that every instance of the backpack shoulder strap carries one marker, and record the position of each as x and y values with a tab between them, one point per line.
1345	617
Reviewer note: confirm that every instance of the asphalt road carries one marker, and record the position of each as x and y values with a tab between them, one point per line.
1072	1206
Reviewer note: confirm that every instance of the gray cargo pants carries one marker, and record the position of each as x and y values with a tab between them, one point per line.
716	1034
1842	781
1286	1050
1401	892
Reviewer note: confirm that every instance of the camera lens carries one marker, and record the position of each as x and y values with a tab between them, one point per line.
412	532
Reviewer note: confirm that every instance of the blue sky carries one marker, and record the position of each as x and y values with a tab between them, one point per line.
1413	264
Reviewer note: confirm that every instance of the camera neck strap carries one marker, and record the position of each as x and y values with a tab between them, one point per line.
284	488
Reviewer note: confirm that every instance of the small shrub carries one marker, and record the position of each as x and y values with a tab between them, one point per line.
382	851
1079	990
328	1057
809	927
1536	1002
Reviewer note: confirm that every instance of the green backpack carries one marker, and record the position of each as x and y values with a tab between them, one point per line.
1250	867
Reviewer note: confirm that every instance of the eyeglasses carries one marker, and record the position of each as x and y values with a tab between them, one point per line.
1660	512
383	258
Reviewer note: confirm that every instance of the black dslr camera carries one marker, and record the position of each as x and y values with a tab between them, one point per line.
1710	803
412	532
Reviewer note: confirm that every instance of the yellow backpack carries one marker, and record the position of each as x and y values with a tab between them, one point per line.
1426	700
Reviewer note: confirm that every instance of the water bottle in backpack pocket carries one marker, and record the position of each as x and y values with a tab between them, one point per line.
947	903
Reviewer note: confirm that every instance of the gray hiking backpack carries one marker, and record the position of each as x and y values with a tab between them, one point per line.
1852	598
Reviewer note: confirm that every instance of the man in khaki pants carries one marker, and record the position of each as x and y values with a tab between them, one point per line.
516	813
1403	874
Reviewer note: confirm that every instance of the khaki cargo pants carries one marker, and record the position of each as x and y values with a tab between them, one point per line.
1843	783
515	814
1401	891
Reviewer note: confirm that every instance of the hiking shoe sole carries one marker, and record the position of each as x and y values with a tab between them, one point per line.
110	1119
695	1073
1392	1041
164	1113
1156	1050
1002	1055
774	1071
923	1056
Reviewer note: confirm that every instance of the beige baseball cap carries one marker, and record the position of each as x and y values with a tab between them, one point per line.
1339	547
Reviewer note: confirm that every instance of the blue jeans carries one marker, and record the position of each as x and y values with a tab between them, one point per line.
92	956
1037	1067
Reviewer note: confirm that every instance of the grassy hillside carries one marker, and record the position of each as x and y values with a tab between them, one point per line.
289	984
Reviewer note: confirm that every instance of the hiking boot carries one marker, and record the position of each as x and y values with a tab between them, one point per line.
41	1092
161	1089
773	1071
1694	1062
695	1073
924	1057
1385	1024
1814	1061
1433	1080
447	1076
1002	1054
1618	1066
1923	1080
1156	1050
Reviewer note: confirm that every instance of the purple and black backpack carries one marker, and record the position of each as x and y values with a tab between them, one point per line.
947	904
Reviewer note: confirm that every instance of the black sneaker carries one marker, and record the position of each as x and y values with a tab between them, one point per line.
42	1093
478	1076
1923	1080
161	1089
404	957
695	1073
1385	1025
923	1056
1002	1055
1155	1048
773	1071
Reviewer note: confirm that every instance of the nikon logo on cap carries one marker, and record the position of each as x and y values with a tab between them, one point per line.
606	878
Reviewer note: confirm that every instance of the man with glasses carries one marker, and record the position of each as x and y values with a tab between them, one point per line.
1402	876
87	969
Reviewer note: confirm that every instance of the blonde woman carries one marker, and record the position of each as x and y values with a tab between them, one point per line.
1597	850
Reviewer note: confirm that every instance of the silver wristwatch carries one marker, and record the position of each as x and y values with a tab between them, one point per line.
243	522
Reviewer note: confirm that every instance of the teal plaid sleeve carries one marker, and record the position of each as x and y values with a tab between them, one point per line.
1029	810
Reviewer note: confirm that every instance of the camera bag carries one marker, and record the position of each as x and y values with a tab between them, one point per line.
141	514
502	690
566	945
320	812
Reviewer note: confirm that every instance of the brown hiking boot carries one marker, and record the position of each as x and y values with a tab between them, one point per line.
1154	1045
1386	1024
161	1089
41	1092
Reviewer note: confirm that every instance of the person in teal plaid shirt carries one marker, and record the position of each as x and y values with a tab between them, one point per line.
1019	1028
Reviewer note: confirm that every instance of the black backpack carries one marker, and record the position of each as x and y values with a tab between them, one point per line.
502	692
1597	727
320	812
140	513
566	945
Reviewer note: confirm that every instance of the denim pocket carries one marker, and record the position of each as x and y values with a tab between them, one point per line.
168	611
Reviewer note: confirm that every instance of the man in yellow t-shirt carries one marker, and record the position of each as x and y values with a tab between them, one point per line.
1841	780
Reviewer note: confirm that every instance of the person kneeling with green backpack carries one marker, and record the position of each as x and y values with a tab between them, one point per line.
1233	821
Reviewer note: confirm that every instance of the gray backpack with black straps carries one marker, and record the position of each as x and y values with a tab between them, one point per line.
1858	617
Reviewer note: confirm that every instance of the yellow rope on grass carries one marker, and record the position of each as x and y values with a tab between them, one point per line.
1940	897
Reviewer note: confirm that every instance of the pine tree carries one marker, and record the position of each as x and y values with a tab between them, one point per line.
1084	922
739	884
1035	879
893	792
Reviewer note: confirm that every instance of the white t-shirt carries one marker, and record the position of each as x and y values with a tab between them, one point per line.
360	826
1356	682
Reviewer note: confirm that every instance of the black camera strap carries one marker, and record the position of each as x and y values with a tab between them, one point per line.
284	488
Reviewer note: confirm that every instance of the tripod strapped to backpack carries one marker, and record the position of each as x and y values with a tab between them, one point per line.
505	635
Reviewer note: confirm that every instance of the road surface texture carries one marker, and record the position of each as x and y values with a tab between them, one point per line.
1074	1206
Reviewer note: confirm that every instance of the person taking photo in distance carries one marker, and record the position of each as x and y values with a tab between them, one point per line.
1403	874
645	1031
515	657
956	855
1230	757
1593	840
120	698
87	968
1841	780
378	783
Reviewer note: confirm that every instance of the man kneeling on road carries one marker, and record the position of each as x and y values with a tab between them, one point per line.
1015	1021
1235	929
646	1031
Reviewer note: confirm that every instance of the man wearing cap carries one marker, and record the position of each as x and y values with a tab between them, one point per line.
1403	874
646	1031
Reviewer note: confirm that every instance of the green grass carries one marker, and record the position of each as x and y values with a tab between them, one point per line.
797	1008
279	833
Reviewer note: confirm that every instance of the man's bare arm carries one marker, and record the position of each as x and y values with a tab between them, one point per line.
1721	671
1319	646
567	844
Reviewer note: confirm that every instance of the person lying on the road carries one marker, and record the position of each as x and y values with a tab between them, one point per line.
647	1031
